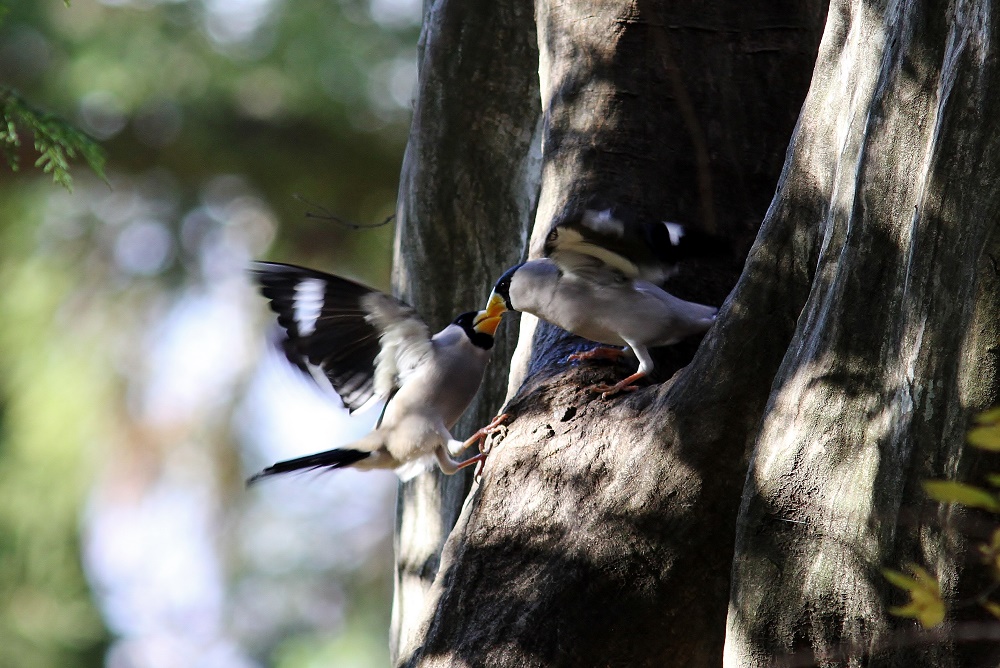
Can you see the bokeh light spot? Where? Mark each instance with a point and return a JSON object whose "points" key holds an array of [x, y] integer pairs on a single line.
{"points": [[102, 115], [144, 247]]}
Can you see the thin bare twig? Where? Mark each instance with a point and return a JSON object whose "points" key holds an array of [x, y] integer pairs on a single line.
{"points": [[326, 214]]}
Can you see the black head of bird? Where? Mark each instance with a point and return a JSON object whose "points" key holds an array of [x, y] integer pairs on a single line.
{"points": [[480, 327], [500, 301]]}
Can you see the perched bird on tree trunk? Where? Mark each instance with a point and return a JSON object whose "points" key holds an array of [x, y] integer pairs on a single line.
{"points": [[598, 280], [365, 344]]}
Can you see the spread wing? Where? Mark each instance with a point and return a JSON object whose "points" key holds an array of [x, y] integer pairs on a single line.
{"points": [[592, 242], [405, 340], [362, 340], [598, 242]]}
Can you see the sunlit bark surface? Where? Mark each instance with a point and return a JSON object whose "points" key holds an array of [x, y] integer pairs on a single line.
{"points": [[891, 184]]}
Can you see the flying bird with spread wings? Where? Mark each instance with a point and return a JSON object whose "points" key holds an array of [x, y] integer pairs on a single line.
{"points": [[364, 344], [598, 279]]}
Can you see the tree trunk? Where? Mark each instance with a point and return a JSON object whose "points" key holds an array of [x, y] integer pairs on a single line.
{"points": [[467, 195], [891, 178], [860, 335]]}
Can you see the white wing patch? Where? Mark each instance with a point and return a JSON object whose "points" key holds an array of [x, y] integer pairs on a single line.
{"points": [[676, 232], [308, 304], [405, 340], [602, 222]]}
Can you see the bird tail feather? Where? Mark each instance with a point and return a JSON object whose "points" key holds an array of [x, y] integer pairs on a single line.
{"points": [[333, 459]]}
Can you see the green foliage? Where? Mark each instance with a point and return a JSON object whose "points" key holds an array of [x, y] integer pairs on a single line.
{"points": [[986, 436], [305, 109], [952, 491], [56, 141], [926, 604], [990, 553]]}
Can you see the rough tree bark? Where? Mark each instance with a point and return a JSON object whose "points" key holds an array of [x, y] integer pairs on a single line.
{"points": [[468, 187], [860, 335], [891, 180]]}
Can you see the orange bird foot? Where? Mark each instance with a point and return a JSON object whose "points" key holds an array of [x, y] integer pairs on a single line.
{"points": [[599, 353], [481, 434], [626, 385]]}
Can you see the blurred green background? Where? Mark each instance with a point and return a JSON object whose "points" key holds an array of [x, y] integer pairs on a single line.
{"points": [[137, 384]]}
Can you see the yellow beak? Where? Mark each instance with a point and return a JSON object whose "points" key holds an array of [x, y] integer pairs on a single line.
{"points": [[496, 306], [487, 321]]}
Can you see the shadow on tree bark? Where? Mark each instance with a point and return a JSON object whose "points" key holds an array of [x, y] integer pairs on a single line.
{"points": [[602, 532], [469, 167], [896, 345]]}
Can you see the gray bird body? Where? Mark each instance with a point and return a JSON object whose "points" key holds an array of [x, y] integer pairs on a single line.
{"points": [[362, 344], [606, 308], [596, 282], [418, 419]]}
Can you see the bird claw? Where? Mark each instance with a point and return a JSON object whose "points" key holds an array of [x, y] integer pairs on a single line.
{"points": [[498, 433], [475, 459], [481, 434], [496, 424], [599, 353], [611, 390], [494, 427], [626, 385]]}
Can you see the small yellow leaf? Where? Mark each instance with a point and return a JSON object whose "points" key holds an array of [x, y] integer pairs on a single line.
{"points": [[925, 603], [985, 438], [993, 479], [992, 416], [991, 552], [929, 613], [922, 575], [994, 544], [901, 580], [951, 491]]}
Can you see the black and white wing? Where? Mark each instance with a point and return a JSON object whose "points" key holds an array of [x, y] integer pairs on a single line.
{"points": [[600, 241], [404, 338], [362, 340]]}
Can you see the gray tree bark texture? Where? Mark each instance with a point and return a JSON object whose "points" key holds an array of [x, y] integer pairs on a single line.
{"points": [[467, 189], [891, 186], [736, 511]]}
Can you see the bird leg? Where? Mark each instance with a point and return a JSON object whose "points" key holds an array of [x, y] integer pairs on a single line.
{"points": [[475, 459], [622, 386], [479, 436], [598, 353], [449, 466]]}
